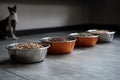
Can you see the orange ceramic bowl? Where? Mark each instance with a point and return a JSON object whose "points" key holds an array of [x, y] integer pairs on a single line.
{"points": [[64, 47], [87, 41]]}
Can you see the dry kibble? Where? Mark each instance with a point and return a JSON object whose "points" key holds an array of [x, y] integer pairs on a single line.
{"points": [[58, 39], [100, 31], [28, 46], [83, 34]]}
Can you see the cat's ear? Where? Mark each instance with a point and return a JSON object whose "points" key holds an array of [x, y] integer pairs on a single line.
{"points": [[15, 7], [10, 10]]}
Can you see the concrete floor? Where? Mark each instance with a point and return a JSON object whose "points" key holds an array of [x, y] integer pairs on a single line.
{"points": [[101, 62]]}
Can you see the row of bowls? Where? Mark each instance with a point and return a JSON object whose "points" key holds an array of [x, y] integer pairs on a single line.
{"points": [[64, 47], [100, 36]]}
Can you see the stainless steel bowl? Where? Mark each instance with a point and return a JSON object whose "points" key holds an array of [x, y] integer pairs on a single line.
{"points": [[76, 34], [27, 55], [104, 37]]}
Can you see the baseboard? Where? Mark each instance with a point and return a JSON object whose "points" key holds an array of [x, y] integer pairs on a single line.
{"points": [[80, 27], [45, 30]]}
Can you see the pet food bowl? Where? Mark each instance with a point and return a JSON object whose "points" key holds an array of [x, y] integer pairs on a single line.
{"points": [[85, 41], [27, 55], [58, 46], [104, 35]]}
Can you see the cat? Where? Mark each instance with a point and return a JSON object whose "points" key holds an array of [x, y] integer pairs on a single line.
{"points": [[8, 25]]}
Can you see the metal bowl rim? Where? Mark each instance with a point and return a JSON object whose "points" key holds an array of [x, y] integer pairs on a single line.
{"points": [[46, 38], [73, 34], [10, 45], [109, 32]]}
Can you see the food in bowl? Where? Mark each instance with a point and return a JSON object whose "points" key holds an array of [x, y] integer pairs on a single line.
{"points": [[27, 52], [60, 45], [83, 34], [99, 31], [85, 39], [104, 35], [28, 46], [58, 39]]}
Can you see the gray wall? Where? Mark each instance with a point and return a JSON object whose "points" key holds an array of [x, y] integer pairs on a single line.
{"points": [[34, 14], [104, 12]]}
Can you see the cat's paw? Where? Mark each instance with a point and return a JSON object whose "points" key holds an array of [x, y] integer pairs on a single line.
{"points": [[15, 38]]}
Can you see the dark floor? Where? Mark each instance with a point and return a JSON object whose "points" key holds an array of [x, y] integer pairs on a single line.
{"points": [[101, 62]]}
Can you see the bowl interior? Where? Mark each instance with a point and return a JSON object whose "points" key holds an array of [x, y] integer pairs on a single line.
{"points": [[77, 35], [95, 31], [58, 39], [12, 46]]}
